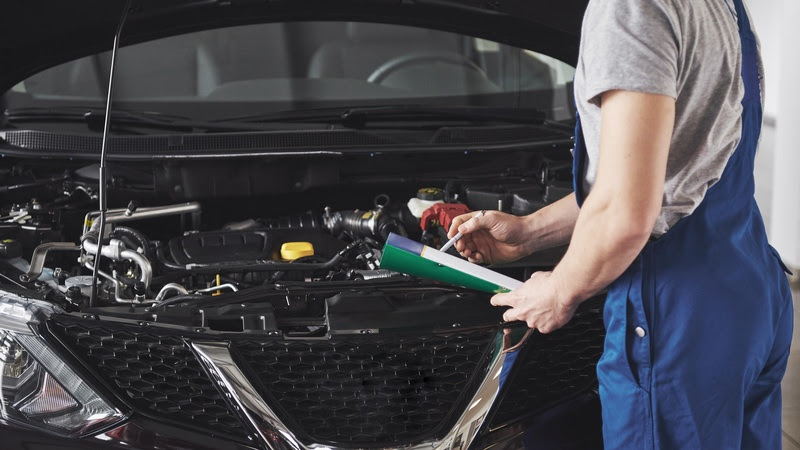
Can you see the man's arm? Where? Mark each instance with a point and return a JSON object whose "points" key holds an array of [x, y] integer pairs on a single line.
{"points": [[553, 225], [499, 237], [616, 219]]}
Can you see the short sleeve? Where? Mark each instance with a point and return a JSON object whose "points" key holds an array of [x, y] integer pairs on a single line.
{"points": [[631, 45]]}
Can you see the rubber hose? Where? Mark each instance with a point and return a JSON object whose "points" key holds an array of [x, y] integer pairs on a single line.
{"points": [[137, 236]]}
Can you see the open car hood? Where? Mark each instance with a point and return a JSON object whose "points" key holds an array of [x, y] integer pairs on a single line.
{"points": [[37, 34]]}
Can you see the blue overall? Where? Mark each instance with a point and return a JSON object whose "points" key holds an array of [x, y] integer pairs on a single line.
{"points": [[699, 326]]}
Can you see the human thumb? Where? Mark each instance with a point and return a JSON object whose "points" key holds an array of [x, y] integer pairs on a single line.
{"points": [[476, 223]]}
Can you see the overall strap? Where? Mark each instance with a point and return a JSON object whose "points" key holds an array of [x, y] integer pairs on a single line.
{"points": [[752, 85], [578, 161]]}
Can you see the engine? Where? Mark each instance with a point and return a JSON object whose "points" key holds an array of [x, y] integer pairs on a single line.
{"points": [[341, 245], [198, 264]]}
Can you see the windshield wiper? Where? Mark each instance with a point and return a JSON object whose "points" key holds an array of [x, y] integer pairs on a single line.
{"points": [[93, 118], [360, 117]]}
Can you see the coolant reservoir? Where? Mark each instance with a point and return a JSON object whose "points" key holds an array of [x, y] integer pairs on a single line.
{"points": [[84, 282], [426, 197]]}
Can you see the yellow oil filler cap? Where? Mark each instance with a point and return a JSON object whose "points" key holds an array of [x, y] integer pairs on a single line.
{"points": [[295, 250]]}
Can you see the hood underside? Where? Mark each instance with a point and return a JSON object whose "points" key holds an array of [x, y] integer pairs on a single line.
{"points": [[37, 34]]}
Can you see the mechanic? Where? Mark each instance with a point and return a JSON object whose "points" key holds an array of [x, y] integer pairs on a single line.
{"points": [[699, 313]]}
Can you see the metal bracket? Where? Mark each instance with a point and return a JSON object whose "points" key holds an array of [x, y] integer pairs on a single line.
{"points": [[40, 254]]}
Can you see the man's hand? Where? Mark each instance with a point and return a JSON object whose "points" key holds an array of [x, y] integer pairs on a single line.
{"points": [[499, 238], [494, 238], [537, 303]]}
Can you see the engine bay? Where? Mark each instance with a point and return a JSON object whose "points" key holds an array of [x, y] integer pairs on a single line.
{"points": [[296, 264]]}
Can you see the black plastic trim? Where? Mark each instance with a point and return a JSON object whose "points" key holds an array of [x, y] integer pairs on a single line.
{"points": [[331, 143]]}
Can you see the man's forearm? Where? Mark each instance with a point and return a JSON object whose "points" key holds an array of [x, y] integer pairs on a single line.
{"points": [[618, 216], [606, 240], [553, 225]]}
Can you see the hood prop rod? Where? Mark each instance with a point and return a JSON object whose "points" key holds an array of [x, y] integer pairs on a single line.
{"points": [[103, 195]]}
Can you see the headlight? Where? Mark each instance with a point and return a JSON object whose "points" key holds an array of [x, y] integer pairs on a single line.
{"points": [[37, 389]]}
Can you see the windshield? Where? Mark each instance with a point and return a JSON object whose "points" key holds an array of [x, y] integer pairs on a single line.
{"points": [[265, 68]]}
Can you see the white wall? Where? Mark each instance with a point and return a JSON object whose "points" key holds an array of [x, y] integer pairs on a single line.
{"points": [[778, 162], [785, 220], [765, 15]]}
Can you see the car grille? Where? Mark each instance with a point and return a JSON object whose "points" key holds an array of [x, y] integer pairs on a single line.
{"points": [[357, 391], [554, 367], [158, 374], [375, 391]]}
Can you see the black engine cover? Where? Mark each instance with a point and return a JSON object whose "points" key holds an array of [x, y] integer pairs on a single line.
{"points": [[219, 247]]}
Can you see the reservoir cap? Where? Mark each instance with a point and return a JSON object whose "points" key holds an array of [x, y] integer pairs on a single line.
{"points": [[430, 194], [295, 250]]}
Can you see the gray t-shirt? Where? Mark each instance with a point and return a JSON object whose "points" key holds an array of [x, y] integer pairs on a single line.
{"points": [[687, 49]]}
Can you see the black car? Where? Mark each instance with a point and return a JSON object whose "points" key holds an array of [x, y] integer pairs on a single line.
{"points": [[259, 153]]}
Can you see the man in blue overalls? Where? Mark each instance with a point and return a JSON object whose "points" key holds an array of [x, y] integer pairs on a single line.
{"points": [[699, 311]]}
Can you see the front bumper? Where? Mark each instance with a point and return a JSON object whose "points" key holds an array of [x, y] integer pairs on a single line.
{"points": [[453, 390], [573, 425], [138, 433]]}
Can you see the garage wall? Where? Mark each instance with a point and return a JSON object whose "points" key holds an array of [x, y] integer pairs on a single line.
{"points": [[778, 162], [786, 181], [765, 15]]}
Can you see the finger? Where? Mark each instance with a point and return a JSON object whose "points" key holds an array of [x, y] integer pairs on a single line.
{"points": [[510, 315], [471, 246], [502, 300], [470, 226], [464, 243], [476, 258], [457, 223]]}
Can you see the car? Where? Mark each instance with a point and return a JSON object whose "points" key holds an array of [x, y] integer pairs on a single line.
{"points": [[193, 260]]}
